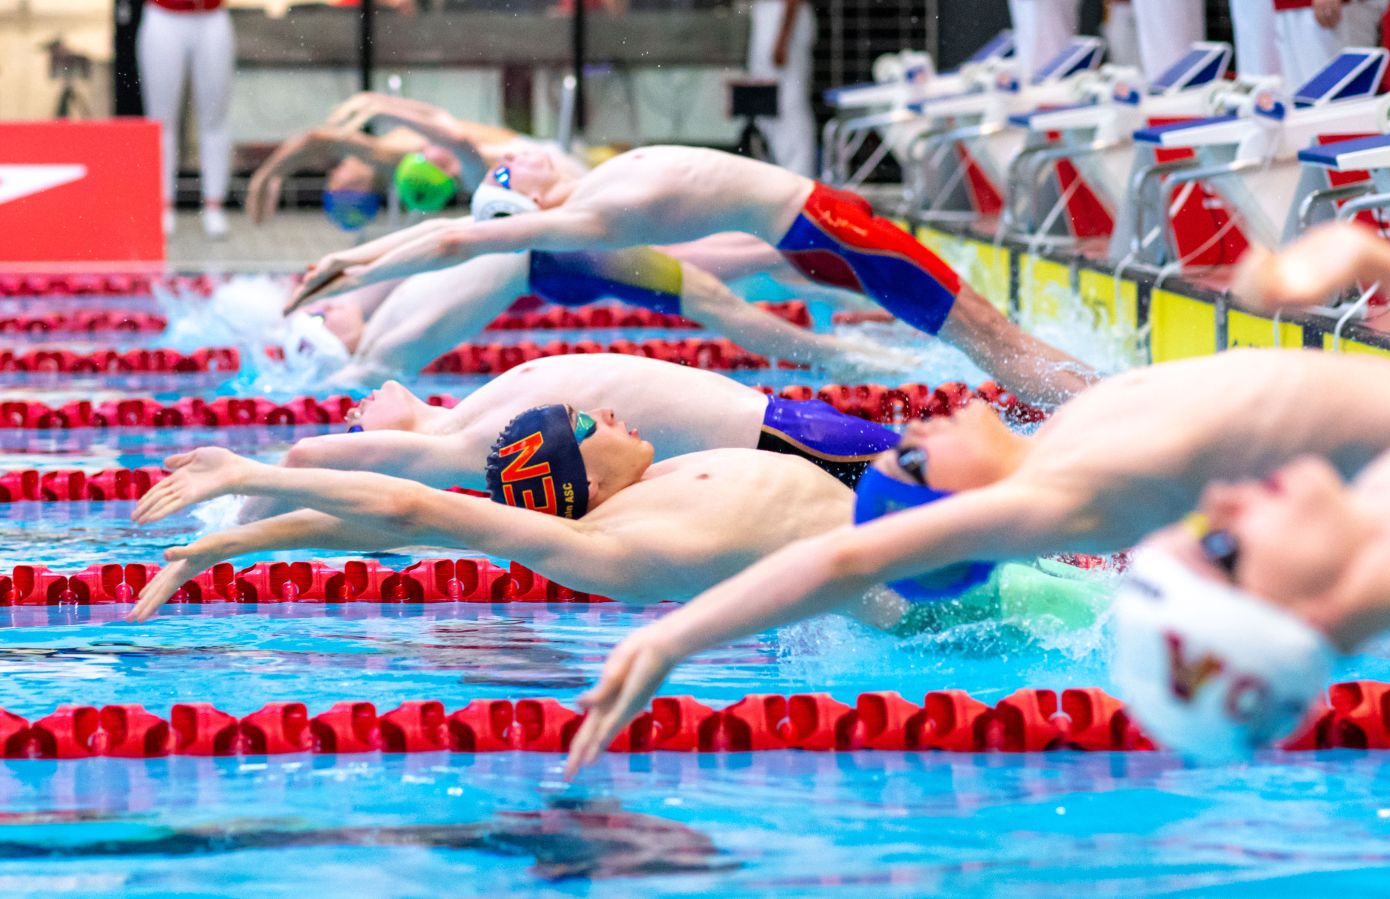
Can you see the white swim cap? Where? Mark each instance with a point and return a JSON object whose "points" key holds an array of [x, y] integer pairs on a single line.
{"points": [[493, 200], [307, 338], [1209, 670]]}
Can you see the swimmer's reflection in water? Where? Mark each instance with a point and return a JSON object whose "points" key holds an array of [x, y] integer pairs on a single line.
{"points": [[569, 839], [500, 652]]}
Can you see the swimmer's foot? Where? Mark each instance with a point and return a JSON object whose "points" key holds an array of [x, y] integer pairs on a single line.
{"points": [[215, 223]]}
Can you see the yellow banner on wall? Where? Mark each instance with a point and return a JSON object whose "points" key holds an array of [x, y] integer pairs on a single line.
{"points": [[1043, 287], [1352, 346], [1109, 310], [1182, 327], [1244, 329]]}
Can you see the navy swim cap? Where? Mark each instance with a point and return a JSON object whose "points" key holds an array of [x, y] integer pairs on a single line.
{"points": [[535, 464], [878, 495], [351, 210]]}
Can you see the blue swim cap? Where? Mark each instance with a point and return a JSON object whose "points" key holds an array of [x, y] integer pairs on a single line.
{"points": [[351, 210], [878, 495], [535, 464]]}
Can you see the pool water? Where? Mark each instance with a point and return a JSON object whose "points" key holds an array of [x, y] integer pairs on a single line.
{"points": [[771, 823]]}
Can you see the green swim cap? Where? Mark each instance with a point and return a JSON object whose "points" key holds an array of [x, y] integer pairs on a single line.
{"points": [[422, 185]]}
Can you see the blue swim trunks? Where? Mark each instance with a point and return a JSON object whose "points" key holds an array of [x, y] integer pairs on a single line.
{"points": [[636, 276], [841, 444]]}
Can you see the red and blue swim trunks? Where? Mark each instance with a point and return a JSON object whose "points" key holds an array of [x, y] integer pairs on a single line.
{"points": [[837, 240]]}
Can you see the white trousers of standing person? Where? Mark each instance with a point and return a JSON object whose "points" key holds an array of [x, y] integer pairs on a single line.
{"points": [[1042, 29], [1121, 38], [1305, 46], [791, 135], [1257, 51], [197, 47], [1167, 29]]}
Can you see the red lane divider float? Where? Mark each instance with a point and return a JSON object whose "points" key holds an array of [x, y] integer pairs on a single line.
{"points": [[111, 362], [93, 321], [359, 580], [875, 402], [556, 318], [108, 285], [84, 321], [1029, 720]]}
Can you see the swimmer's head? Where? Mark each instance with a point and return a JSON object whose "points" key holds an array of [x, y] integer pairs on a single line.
{"points": [[530, 171], [392, 407], [351, 174], [879, 494], [1298, 531], [562, 461], [307, 340], [351, 210], [969, 449], [1209, 669], [615, 455], [426, 181], [492, 201], [343, 319]]}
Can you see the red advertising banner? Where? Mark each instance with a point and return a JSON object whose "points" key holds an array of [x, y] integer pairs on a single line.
{"points": [[80, 192]]}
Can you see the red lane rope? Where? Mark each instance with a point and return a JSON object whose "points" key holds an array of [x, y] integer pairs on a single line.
{"points": [[358, 580], [554, 318], [113, 362], [1029, 720], [874, 402], [94, 321], [84, 321], [110, 285]]}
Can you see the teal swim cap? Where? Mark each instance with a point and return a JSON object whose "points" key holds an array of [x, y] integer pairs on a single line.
{"points": [[422, 185]]}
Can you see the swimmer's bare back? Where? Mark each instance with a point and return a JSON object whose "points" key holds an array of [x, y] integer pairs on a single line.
{"points": [[672, 194]]}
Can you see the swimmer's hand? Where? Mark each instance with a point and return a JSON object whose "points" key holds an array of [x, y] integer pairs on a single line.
{"points": [[631, 676], [324, 278], [185, 563], [198, 476], [330, 274], [1312, 269]]}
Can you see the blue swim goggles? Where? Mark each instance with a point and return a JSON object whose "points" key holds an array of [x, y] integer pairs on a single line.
{"points": [[879, 494], [584, 425], [503, 176]]}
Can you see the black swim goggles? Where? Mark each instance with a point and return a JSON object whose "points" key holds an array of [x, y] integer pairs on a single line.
{"points": [[913, 461], [1218, 545]]}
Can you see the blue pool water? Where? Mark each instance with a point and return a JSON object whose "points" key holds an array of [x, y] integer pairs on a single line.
{"points": [[782, 824]]}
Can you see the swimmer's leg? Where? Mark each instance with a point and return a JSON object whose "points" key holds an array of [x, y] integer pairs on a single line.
{"points": [[706, 300], [1034, 370], [733, 256]]}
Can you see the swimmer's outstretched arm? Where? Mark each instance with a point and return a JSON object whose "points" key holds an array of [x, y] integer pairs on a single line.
{"points": [[1007, 520], [331, 267], [1309, 271], [321, 147], [434, 125], [364, 511], [555, 230], [433, 460]]}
